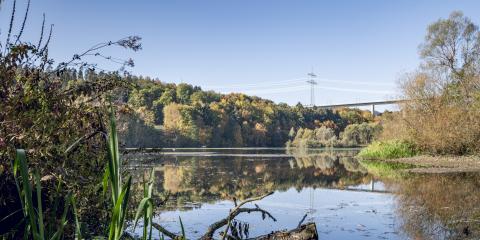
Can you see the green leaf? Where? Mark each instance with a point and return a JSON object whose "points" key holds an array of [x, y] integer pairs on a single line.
{"points": [[142, 207], [105, 182], [41, 226], [63, 222], [20, 164], [183, 229], [78, 232], [119, 211]]}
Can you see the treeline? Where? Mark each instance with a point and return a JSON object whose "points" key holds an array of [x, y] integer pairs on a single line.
{"points": [[181, 115]]}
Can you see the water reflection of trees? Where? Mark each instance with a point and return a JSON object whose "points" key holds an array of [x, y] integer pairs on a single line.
{"points": [[440, 206], [204, 179]]}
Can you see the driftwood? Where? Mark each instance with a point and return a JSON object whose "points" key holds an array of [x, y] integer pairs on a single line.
{"points": [[306, 231], [302, 232]]}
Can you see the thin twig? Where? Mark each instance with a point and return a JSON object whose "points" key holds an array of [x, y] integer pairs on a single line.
{"points": [[23, 23], [12, 18], [41, 33]]}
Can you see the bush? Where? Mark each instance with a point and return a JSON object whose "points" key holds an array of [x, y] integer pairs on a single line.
{"points": [[388, 150], [359, 134], [318, 137]]}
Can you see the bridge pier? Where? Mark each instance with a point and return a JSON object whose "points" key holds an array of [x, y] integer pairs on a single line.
{"points": [[373, 110]]}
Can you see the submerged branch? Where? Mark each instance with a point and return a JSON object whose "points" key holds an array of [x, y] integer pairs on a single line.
{"points": [[165, 231], [235, 212]]}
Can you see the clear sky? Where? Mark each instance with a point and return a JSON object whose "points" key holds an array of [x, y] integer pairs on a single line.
{"points": [[358, 49]]}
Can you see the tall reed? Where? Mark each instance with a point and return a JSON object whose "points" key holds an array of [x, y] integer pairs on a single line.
{"points": [[113, 176], [146, 207], [34, 215], [120, 195]]}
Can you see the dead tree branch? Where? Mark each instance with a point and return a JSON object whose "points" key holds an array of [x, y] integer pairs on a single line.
{"points": [[235, 212], [165, 231]]}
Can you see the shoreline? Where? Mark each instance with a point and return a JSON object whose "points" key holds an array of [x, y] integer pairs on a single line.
{"points": [[439, 164]]}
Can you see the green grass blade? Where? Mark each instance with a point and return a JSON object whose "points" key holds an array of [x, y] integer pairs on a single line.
{"points": [[41, 226], [106, 176], [26, 190], [119, 212], [114, 161], [183, 229], [123, 214], [78, 231], [63, 222], [142, 207], [55, 206]]}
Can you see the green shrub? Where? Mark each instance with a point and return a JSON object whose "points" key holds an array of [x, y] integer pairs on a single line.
{"points": [[388, 150]]}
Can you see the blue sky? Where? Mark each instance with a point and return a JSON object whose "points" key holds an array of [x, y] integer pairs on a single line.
{"points": [[358, 49]]}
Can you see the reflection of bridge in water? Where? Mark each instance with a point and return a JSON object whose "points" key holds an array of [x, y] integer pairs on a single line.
{"points": [[370, 190]]}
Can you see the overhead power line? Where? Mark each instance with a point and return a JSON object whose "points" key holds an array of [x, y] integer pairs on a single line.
{"points": [[293, 81]]}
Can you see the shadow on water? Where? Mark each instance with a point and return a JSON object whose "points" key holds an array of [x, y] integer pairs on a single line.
{"points": [[330, 185]]}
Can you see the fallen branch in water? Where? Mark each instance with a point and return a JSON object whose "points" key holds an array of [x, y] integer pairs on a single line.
{"points": [[235, 212], [165, 231], [307, 231]]}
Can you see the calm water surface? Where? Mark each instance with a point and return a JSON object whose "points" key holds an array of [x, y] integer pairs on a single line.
{"points": [[330, 186]]}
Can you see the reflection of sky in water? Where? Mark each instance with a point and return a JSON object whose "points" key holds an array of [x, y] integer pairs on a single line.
{"points": [[331, 182], [338, 214]]}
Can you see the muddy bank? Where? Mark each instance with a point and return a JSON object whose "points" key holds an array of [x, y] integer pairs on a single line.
{"points": [[441, 164]]}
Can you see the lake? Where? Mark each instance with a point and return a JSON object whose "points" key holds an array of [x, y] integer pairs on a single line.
{"points": [[335, 190]]}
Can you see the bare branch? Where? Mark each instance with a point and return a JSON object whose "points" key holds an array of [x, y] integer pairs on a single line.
{"points": [[165, 231], [301, 221], [131, 42], [235, 212], [23, 23], [41, 33], [11, 22]]}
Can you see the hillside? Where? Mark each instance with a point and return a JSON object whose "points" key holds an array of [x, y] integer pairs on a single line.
{"points": [[182, 115]]}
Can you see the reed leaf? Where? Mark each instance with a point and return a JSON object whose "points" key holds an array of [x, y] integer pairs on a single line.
{"points": [[41, 226], [25, 192], [182, 227], [78, 231]]}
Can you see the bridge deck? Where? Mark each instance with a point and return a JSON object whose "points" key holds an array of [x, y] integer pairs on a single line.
{"points": [[362, 104]]}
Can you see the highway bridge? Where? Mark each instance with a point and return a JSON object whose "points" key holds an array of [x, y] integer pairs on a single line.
{"points": [[362, 104]]}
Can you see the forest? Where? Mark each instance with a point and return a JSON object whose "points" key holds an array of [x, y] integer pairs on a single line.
{"points": [[182, 115]]}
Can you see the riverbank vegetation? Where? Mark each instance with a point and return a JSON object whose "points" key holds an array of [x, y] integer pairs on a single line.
{"points": [[353, 135], [59, 122], [442, 112], [387, 150]]}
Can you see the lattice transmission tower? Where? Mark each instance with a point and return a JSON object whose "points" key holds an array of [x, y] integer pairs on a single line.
{"points": [[312, 83]]}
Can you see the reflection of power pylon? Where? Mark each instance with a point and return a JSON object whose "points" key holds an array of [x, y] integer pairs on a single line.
{"points": [[312, 201]]}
